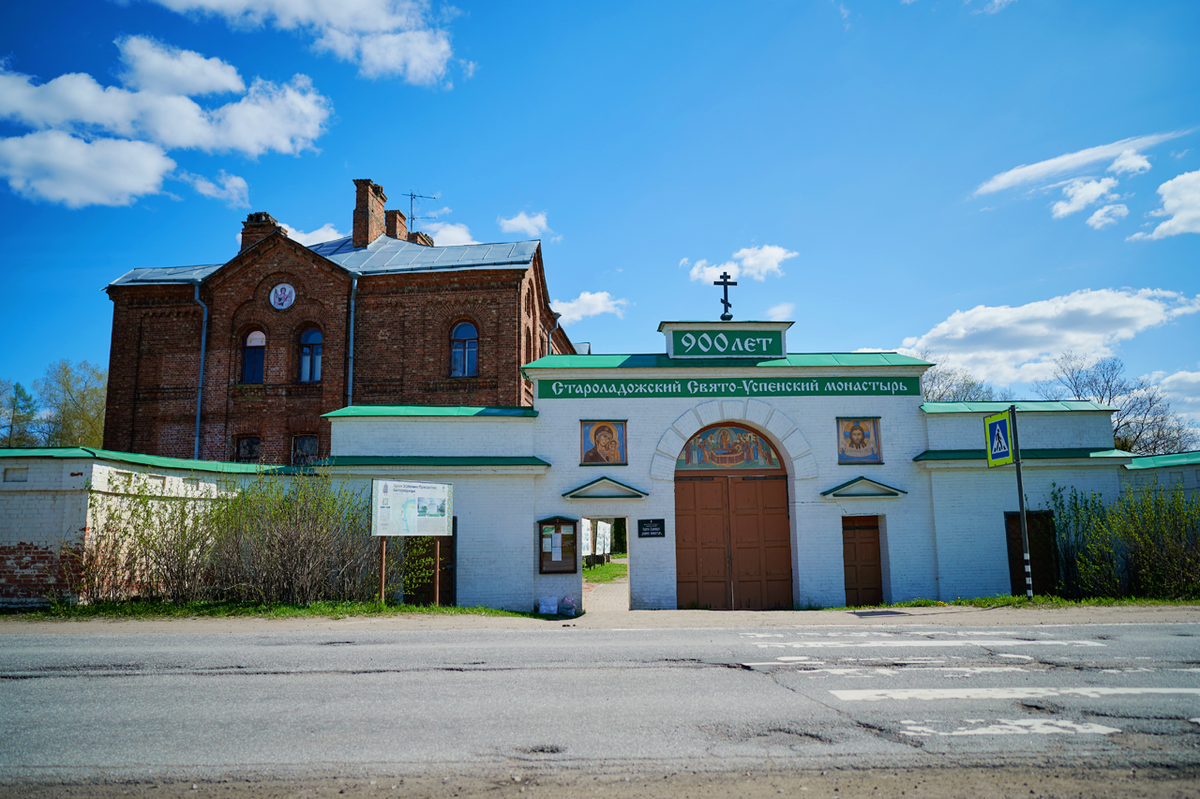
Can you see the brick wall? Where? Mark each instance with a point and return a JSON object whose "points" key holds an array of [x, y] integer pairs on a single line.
{"points": [[402, 349]]}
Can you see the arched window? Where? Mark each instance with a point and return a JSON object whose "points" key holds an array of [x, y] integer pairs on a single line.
{"points": [[310, 356], [464, 351], [254, 351]]}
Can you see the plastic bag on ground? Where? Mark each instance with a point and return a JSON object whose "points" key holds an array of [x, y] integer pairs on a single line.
{"points": [[548, 605]]}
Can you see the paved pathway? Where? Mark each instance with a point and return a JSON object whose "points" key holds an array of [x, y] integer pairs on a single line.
{"points": [[607, 597]]}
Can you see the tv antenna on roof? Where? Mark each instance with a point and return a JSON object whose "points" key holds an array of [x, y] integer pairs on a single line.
{"points": [[412, 198]]}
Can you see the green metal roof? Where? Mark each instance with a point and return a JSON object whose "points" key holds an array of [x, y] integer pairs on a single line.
{"points": [[631, 492], [662, 361], [1031, 406], [1159, 461], [432, 410], [432, 460], [140, 460], [1026, 454]]}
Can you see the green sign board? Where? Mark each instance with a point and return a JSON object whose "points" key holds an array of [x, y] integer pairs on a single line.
{"points": [[726, 343], [699, 388]]}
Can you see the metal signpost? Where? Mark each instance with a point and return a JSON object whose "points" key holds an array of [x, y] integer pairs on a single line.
{"points": [[408, 509], [1002, 449]]}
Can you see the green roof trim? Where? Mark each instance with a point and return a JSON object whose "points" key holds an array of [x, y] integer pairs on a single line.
{"points": [[1029, 406], [888, 491], [161, 462], [630, 491], [431, 460], [1026, 454], [353, 411], [1159, 461], [831, 360]]}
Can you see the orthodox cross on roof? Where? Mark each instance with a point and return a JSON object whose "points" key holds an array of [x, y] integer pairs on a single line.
{"points": [[724, 281]]}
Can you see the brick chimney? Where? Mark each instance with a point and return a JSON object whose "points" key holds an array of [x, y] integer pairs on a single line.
{"points": [[368, 212], [420, 237], [257, 227], [397, 225]]}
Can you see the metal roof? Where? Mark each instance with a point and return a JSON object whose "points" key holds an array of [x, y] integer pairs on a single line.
{"points": [[663, 361], [382, 256], [432, 410], [166, 274], [385, 255], [1026, 454], [1029, 406], [1159, 461]]}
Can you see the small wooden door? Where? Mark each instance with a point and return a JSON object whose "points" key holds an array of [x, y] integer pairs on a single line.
{"points": [[860, 549], [1043, 552]]}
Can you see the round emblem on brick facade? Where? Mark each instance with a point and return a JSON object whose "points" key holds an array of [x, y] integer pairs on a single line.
{"points": [[282, 297]]}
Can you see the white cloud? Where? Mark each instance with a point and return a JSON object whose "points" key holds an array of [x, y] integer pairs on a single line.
{"points": [[753, 262], [758, 262], [703, 271], [531, 226], [1082, 193], [384, 37], [995, 6], [1003, 344], [450, 234], [1181, 201], [1071, 162], [781, 312], [1108, 215], [588, 304], [269, 117], [1183, 389], [326, 232], [161, 69], [233, 190], [1130, 161], [55, 166]]}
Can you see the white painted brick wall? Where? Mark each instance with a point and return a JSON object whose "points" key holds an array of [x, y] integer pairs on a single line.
{"points": [[1036, 430], [969, 507]]}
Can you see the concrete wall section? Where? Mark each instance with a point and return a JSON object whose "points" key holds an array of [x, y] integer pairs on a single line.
{"points": [[1036, 430]]}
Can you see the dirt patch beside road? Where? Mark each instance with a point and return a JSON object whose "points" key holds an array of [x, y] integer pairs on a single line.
{"points": [[930, 783]]}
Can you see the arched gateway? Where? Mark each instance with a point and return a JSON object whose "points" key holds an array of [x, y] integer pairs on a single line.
{"points": [[732, 534]]}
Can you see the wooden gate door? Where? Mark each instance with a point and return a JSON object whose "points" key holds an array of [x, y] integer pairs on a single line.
{"points": [[732, 542], [860, 549], [701, 542], [761, 542]]}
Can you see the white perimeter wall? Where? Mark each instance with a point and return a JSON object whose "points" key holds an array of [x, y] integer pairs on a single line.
{"points": [[803, 430]]}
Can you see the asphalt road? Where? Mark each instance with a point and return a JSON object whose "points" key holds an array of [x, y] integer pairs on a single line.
{"points": [[304, 704]]}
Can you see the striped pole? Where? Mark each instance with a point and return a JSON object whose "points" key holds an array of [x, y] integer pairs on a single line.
{"points": [[1016, 450]]}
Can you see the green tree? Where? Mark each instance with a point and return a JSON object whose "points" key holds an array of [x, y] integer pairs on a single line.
{"points": [[73, 397], [19, 420]]}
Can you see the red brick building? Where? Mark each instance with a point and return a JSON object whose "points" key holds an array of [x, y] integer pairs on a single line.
{"points": [[287, 333]]}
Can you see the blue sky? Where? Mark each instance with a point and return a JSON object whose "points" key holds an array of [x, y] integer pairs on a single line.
{"points": [[994, 181]]}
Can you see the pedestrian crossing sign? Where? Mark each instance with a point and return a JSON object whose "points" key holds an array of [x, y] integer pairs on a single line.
{"points": [[999, 439]]}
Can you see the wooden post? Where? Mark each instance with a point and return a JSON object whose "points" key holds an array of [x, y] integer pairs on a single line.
{"points": [[437, 571], [382, 568]]}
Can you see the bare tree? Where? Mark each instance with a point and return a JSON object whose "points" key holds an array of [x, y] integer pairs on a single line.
{"points": [[944, 383], [1143, 421]]}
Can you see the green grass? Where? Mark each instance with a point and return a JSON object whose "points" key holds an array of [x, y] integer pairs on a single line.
{"points": [[606, 573], [208, 610], [1005, 600]]}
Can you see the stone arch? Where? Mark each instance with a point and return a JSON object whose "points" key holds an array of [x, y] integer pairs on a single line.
{"points": [[785, 436]]}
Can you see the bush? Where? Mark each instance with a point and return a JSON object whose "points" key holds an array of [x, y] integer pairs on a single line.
{"points": [[1146, 544], [280, 539]]}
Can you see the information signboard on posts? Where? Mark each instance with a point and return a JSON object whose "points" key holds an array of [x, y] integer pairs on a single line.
{"points": [[999, 439], [400, 508]]}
